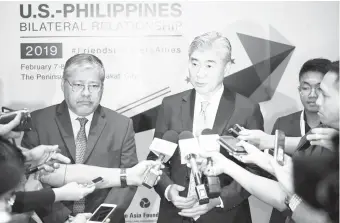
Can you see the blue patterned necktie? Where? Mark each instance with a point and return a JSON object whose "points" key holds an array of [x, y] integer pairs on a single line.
{"points": [[81, 142]]}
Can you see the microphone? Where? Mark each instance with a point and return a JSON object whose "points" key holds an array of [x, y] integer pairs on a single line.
{"points": [[164, 148], [208, 142], [188, 144]]}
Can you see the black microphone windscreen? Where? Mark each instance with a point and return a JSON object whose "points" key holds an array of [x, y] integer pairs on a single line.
{"points": [[186, 135], [209, 132], [171, 136]]}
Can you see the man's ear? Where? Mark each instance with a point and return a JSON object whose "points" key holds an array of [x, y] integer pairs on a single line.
{"points": [[227, 68]]}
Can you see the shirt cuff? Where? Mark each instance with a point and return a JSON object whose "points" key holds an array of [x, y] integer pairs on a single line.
{"points": [[221, 205], [166, 192]]}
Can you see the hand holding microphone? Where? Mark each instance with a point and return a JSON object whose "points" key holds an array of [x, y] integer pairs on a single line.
{"points": [[188, 144], [208, 142], [6, 130], [164, 148], [45, 157], [141, 172]]}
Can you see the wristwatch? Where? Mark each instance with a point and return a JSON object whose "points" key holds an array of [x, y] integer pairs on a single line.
{"points": [[293, 202], [123, 177]]}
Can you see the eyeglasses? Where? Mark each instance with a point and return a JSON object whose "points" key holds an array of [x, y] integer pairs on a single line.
{"points": [[307, 90], [80, 87]]}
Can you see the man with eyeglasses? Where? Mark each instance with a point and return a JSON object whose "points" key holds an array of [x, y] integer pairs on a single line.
{"points": [[297, 124], [87, 133]]}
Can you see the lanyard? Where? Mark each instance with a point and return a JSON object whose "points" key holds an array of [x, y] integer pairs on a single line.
{"points": [[302, 123]]}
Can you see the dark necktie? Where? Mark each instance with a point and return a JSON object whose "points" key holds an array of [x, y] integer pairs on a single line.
{"points": [[81, 142]]}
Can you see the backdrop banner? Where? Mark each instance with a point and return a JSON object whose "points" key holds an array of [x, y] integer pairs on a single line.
{"points": [[144, 48]]}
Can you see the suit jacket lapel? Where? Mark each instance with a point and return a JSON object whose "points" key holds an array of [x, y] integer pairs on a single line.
{"points": [[65, 127], [225, 110], [296, 123], [97, 125], [304, 143], [187, 120], [187, 110]]}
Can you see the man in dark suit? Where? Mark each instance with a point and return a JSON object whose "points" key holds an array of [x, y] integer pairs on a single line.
{"points": [[87, 133], [299, 123], [209, 62]]}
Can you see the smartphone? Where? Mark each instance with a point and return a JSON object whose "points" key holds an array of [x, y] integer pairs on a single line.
{"points": [[102, 213], [279, 148], [229, 143], [95, 181]]}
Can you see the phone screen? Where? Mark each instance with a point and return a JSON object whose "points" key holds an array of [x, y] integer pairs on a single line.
{"points": [[98, 179], [101, 213], [229, 143]]}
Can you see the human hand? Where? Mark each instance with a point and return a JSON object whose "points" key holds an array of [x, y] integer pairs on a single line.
{"points": [[72, 191], [6, 129], [179, 201]]}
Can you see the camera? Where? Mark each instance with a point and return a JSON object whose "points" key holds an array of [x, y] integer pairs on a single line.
{"points": [[7, 115]]}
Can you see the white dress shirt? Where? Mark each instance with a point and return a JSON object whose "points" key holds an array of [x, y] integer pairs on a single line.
{"points": [[210, 113], [76, 124]]}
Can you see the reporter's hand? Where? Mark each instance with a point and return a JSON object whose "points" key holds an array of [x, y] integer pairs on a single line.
{"points": [[80, 218], [258, 138], [254, 155], [40, 154], [72, 192], [323, 137], [6, 130], [32, 183], [179, 201], [83, 217], [284, 174], [219, 163], [136, 174]]}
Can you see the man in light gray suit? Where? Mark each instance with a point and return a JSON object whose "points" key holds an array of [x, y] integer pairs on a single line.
{"points": [[87, 133]]}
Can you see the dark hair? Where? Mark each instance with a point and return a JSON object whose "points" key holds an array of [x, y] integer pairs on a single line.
{"points": [[11, 165], [10, 152], [334, 68], [318, 65]]}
